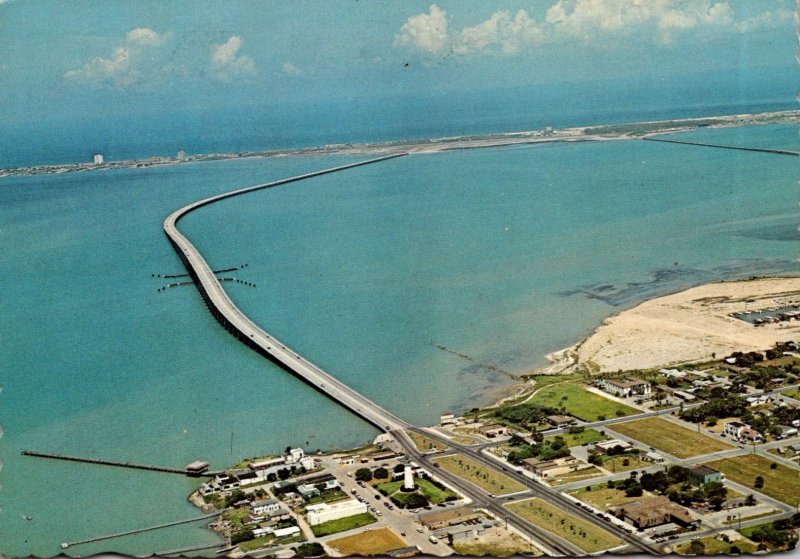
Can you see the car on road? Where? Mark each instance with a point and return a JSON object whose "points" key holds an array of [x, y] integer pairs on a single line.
{"points": [[420, 530], [378, 497], [433, 539], [402, 534]]}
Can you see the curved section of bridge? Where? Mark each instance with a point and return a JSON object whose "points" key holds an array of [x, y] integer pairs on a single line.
{"points": [[249, 333]]}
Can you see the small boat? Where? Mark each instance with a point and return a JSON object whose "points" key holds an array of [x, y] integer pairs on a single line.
{"points": [[28, 517]]}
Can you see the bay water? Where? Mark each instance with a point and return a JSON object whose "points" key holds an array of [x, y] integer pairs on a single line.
{"points": [[500, 254]]}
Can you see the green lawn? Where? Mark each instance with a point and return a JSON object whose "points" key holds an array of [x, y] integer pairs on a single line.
{"points": [[616, 464], [424, 444], [794, 393], [782, 483], [588, 537], [487, 479], [577, 475], [577, 439], [328, 496], [424, 486], [580, 403], [714, 546], [343, 524], [669, 437], [602, 497]]}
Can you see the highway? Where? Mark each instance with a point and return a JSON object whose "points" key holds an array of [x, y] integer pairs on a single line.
{"points": [[249, 333]]}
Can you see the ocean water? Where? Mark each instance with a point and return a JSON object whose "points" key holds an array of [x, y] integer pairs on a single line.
{"points": [[501, 254]]}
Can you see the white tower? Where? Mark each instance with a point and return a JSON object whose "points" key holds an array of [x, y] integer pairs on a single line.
{"points": [[98, 159], [408, 479]]}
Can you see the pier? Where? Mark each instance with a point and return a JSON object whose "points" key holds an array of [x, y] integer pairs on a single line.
{"points": [[721, 146], [249, 333], [65, 545], [118, 464]]}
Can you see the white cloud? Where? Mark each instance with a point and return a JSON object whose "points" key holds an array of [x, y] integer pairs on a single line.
{"points": [[227, 63], [127, 65], [501, 31], [291, 69], [144, 36], [764, 20], [426, 32]]}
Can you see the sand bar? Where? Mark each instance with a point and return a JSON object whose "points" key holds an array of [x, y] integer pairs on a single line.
{"points": [[692, 325]]}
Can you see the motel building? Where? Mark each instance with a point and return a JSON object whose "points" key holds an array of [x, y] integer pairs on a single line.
{"points": [[625, 387]]}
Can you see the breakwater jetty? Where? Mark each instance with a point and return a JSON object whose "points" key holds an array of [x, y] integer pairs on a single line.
{"points": [[65, 545], [249, 333], [722, 146], [116, 463]]}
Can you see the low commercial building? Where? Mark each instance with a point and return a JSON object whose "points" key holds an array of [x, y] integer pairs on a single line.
{"points": [[560, 420], [625, 387], [605, 446], [704, 474], [654, 511], [558, 466], [493, 430], [437, 520], [325, 512], [288, 532], [267, 506], [447, 418]]}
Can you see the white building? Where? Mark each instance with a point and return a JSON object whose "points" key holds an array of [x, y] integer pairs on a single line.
{"points": [[408, 478], [447, 418], [267, 506], [605, 446], [289, 532], [626, 387], [98, 159], [294, 456], [325, 512]]}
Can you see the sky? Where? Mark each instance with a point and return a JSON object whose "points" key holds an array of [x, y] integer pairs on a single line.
{"points": [[112, 58]]}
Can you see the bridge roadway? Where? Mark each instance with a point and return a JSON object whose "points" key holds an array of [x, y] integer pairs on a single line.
{"points": [[244, 329], [249, 333]]}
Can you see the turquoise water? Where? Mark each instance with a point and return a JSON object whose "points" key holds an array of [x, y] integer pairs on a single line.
{"points": [[501, 254]]}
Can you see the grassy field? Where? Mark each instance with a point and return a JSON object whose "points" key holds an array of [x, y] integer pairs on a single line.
{"points": [[266, 541], [577, 475], [425, 487], [669, 437], [580, 403], [424, 444], [373, 542], [782, 483], [602, 497], [491, 481], [496, 543], [714, 546], [577, 439], [343, 524], [617, 463], [584, 535], [794, 393]]}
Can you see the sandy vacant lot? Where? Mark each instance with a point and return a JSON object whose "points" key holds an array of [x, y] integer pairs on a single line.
{"points": [[688, 326]]}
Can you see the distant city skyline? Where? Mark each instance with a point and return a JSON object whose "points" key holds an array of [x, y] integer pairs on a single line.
{"points": [[107, 60]]}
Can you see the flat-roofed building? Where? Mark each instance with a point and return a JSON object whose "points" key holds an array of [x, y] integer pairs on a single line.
{"points": [[325, 512], [654, 511], [625, 387]]}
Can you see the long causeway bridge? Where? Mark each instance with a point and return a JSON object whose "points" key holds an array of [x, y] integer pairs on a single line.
{"points": [[249, 333]]}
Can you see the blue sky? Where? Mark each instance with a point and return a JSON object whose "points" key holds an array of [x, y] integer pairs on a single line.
{"points": [[111, 58]]}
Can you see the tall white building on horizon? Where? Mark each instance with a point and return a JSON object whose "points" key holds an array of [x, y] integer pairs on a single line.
{"points": [[98, 159]]}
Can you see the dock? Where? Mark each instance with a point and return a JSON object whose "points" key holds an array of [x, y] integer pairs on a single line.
{"points": [[101, 462], [65, 545]]}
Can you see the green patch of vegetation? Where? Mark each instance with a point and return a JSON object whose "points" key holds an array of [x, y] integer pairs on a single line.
{"points": [[432, 492], [343, 524], [576, 400], [780, 483], [715, 546], [327, 496], [257, 543], [670, 437], [577, 436], [623, 462], [488, 479], [424, 444], [794, 393], [602, 497], [772, 536], [588, 537]]}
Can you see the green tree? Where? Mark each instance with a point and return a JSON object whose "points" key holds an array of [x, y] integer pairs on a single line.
{"points": [[364, 474], [241, 536], [416, 501], [697, 547], [381, 473], [310, 550], [759, 482]]}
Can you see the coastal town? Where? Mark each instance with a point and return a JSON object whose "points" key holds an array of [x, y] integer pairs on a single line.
{"points": [[701, 458]]}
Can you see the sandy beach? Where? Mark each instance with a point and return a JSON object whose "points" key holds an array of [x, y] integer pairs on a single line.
{"points": [[692, 325]]}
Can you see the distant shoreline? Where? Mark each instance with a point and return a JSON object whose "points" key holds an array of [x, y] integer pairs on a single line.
{"points": [[603, 132]]}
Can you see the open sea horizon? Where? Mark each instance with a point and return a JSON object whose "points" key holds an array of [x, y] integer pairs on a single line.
{"points": [[503, 254]]}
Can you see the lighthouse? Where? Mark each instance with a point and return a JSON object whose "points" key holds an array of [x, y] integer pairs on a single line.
{"points": [[408, 479]]}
